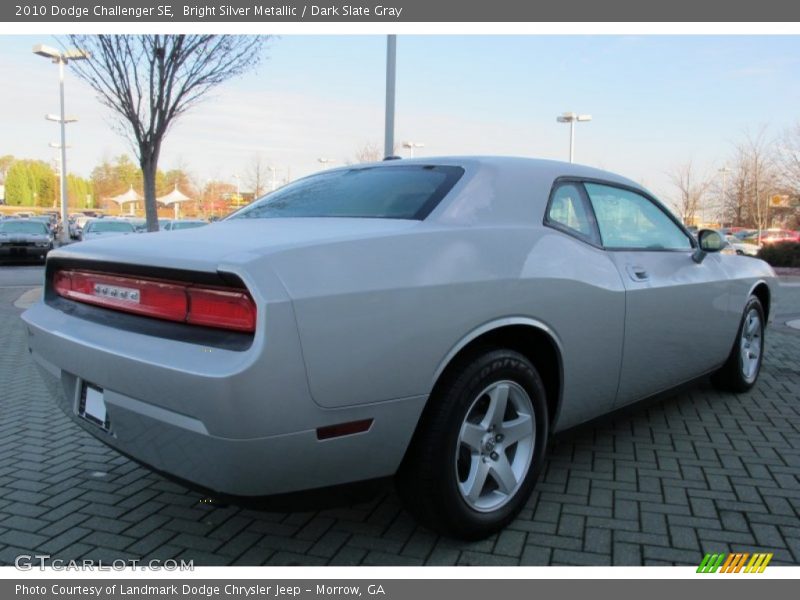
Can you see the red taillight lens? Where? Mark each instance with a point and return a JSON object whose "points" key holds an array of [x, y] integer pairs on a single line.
{"points": [[175, 301], [221, 308], [140, 296]]}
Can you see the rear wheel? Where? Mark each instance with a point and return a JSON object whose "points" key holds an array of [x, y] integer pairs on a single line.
{"points": [[740, 372], [479, 447]]}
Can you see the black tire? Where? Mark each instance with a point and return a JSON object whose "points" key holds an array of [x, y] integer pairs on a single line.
{"points": [[428, 481], [731, 376]]}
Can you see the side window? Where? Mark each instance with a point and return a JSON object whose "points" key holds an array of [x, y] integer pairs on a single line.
{"points": [[629, 220], [567, 210]]}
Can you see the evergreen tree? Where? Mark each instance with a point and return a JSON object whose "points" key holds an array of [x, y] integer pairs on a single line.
{"points": [[18, 190]]}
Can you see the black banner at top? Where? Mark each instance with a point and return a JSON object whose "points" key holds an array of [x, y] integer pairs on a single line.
{"points": [[394, 11]]}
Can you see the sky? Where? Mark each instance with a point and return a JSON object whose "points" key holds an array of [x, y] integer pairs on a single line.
{"points": [[656, 101]]}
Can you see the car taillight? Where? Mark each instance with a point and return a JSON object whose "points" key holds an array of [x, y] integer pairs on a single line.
{"points": [[221, 308], [174, 301]]}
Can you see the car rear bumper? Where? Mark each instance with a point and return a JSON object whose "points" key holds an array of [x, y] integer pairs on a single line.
{"points": [[264, 447]]}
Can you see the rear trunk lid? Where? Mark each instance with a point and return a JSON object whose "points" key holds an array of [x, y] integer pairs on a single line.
{"points": [[235, 241]]}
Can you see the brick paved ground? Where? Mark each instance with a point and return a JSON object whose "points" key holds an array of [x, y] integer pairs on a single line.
{"points": [[700, 472]]}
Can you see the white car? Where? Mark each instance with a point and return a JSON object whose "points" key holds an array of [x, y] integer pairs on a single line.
{"points": [[177, 224], [103, 228], [742, 248]]}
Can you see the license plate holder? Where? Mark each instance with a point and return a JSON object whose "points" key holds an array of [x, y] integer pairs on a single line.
{"points": [[92, 406]]}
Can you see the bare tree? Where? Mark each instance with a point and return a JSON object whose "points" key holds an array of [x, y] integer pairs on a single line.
{"points": [[148, 81], [691, 190], [256, 176], [754, 180], [369, 152], [790, 160]]}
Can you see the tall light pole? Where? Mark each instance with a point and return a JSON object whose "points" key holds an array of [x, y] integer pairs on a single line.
{"points": [[61, 59], [391, 67], [412, 145], [57, 160], [325, 161], [572, 118]]}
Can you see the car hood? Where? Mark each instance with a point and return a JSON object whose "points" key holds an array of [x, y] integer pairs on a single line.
{"points": [[230, 241]]}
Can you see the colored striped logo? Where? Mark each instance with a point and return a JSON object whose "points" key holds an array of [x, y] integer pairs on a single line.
{"points": [[735, 563]]}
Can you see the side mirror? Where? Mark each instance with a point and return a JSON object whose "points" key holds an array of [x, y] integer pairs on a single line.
{"points": [[709, 240]]}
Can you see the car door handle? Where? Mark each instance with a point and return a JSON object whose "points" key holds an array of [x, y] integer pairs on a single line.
{"points": [[638, 273]]}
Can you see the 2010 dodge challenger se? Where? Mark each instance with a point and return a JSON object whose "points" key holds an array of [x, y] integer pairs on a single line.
{"points": [[432, 319]]}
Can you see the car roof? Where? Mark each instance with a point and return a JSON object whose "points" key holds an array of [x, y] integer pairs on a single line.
{"points": [[109, 220], [499, 189], [536, 166]]}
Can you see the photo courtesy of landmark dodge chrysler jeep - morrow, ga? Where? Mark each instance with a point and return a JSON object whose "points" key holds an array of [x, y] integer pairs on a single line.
{"points": [[434, 319]]}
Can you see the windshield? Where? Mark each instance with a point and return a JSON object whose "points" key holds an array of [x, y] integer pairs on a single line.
{"points": [[23, 227], [103, 226], [397, 192]]}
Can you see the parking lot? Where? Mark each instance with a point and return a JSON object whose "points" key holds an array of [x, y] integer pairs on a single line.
{"points": [[664, 483]]}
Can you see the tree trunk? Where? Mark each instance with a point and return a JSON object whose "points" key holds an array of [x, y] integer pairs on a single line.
{"points": [[149, 164]]}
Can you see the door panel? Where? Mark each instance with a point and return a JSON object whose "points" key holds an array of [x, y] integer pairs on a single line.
{"points": [[676, 310], [676, 320]]}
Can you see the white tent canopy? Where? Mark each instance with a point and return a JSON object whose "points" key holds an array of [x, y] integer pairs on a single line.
{"points": [[174, 198], [130, 197]]}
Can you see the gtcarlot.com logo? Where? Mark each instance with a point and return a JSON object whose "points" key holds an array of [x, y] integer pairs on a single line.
{"points": [[741, 562], [27, 562]]}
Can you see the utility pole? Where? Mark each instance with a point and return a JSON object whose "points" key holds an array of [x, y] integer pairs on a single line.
{"points": [[391, 64], [61, 59]]}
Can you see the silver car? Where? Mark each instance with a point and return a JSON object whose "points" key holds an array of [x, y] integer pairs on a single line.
{"points": [[432, 319], [178, 224], [24, 239], [105, 228]]}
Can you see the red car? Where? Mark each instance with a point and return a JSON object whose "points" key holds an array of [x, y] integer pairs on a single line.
{"points": [[780, 235]]}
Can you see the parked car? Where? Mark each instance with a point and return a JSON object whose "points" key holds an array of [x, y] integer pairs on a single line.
{"points": [[49, 222], [177, 224], [24, 239], [432, 319], [774, 236], [77, 225], [97, 228], [741, 247], [139, 224]]}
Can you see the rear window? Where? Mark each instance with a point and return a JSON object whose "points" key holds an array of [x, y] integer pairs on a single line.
{"points": [[397, 192], [101, 226]]}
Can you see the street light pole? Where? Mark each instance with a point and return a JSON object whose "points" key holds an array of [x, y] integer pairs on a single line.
{"points": [[572, 118], [325, 161], [61, 58], [64, 208], [572, 141], [391, 62]]}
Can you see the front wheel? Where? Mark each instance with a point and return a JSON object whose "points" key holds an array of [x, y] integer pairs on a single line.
{"points": [[479, 446], [740, 372]]}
